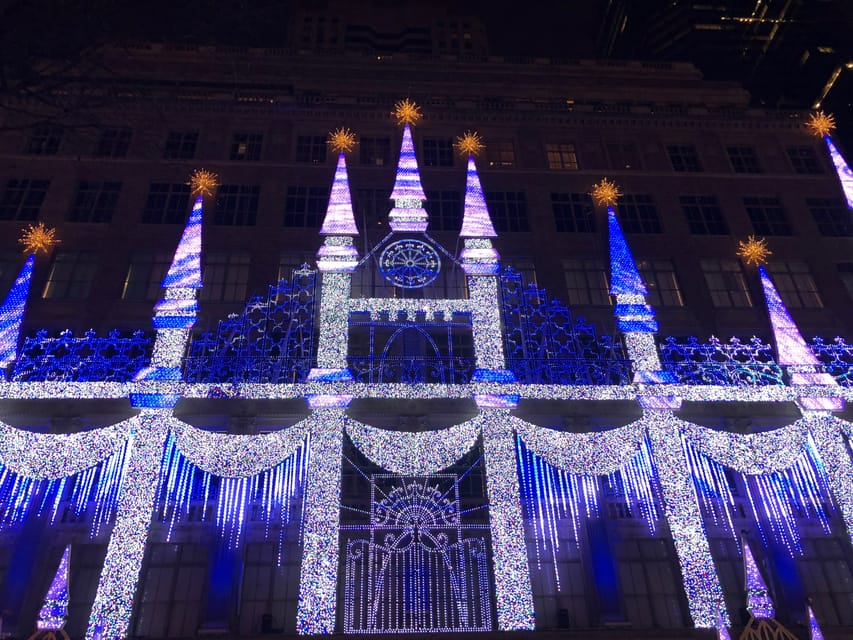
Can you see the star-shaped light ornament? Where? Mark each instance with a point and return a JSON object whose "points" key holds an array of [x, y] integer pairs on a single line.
{"points": [[341, 140], [469, 144], [821, 124], [754, 251], [407, 112], [605, 193], [38, 239], [203, 182]]}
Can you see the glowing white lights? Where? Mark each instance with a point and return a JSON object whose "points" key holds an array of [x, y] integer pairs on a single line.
{"points": [[476, 222], [339, 220], [408, 195], [758, 601], [54, 609]]}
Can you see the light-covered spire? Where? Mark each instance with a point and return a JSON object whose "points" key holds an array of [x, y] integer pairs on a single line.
{"points": [[624, 276], [815, 632], [12, 313], [54, 609], [476, 222], [845, 175], [340, 220], [408, 195], [758, 600], [185, 270]]}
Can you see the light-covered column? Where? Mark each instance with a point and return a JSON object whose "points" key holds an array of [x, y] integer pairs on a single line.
{"points": [[319, 575], [513, 590], [334, 327], [111, 611], [834, 454], [699, 575]]}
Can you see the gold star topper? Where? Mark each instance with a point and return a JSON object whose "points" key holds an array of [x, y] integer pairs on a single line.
{"points": [[469, 144], [38, 238], [407, 112], [203, 182], [754, 251], [605, 193], [341, 140], [821, 124]]}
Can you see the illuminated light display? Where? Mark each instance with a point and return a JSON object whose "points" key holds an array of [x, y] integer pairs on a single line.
{"points": [[203, 182], [828, 433], [185, 270], [842, 169], [605, 193], [408, 195], [341, 140], [38, 238], [12, 313], [407, 112], [469, 144], [758, 600], [339, 218], [754, 251], [54, 609], [476, 221], [815, 632], [625, 278]]}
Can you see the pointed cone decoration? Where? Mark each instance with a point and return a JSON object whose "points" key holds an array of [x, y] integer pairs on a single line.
{"points": [[185, 271], [476, 222], [624, 277], [12, 313], [792, 349], [339, 220], [54, 610], [814, 628], [407, 186], [845, 175], [758, 601], [722, 630]]}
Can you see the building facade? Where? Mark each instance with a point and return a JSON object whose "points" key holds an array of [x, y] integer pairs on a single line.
{"points": [[404, 436]]}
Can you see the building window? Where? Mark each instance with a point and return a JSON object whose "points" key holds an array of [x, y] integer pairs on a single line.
{"points": [[71, 275], [804, 160], [659, 276], [305, 206], [370, 206], [145, 274], [290, 262], [501, 154], [94, 201], [438, 152], [181, 145], [586, 282], [832, 217], [684, 158], [45, 140], [561, 155], [22, 199], [509, 210], [167, 203], [703, 215], [225, 277], [844, 268], [638, 214], [573, 212], [311, 149], [743, 159], [375, 151], [726, 283], [795, 284], [623, 155], [10, 264], [767, 216], [246, 147], [114, 142], [445, 210], [236, 205]]}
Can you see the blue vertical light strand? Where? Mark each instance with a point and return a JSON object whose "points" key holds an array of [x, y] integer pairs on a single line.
{"points": [[845, 174], [185, 270], [54, 609], [12, 313], [185, 489]]}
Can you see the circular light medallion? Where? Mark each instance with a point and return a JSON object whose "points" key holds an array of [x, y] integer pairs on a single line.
{"points": [[410, 264]]}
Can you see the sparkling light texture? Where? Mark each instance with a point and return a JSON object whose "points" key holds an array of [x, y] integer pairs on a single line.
{"points": [[12, 314], [842, 169], [414, 453], [407, 112], [699, 576], [821, 124], [828, 433], [339, 218], [486, 323], [513, 590], [185, 270], [605, 193], [754, 251], [469, 144], [111, 611], [54, 609], [341, 140], [409, 307], [626, 277], [334, 321], [408, 195], [476, 222], [815, 632], [318, 579], [38, 239], [203, 182], [758, 600]]}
